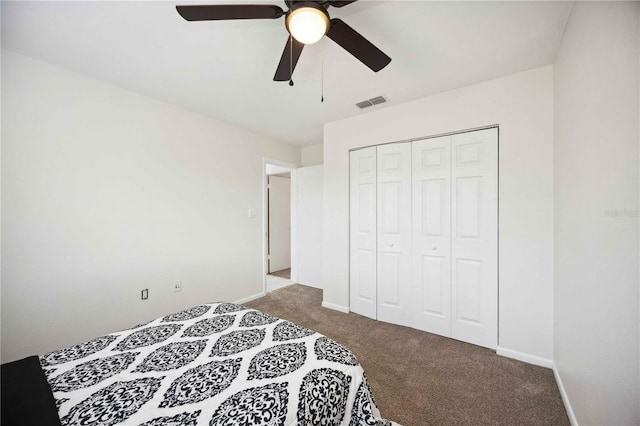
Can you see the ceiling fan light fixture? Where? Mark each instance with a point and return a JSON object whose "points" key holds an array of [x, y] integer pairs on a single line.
{"points": [[308, 22]]}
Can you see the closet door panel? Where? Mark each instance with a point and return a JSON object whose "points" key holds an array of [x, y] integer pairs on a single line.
{"points": [[394, 233], [363, 225], [431, 275], [390, 280], [474, 226]]}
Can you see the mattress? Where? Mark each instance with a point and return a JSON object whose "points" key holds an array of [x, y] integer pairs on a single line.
{"points": [[213, 364]]}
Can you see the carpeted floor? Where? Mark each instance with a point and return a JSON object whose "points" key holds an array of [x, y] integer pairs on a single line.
{"points": [[284, 273], [419, 378]]}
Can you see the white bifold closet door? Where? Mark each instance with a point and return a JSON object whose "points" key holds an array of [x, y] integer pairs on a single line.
{"points": [[363, 234], [455, 236], [474, 237], [435, 202], [394, 233], [431, 218]]}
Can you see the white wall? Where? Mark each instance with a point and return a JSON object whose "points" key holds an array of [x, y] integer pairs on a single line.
{"points": [[596, 213], [522, 105], [311, 155], [106, 192]]}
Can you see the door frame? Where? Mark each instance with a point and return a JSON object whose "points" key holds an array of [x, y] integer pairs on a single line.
{"points": [[265, 213]]}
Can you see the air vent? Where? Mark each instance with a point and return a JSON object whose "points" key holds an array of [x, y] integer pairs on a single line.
{"points": [[371, 102]]}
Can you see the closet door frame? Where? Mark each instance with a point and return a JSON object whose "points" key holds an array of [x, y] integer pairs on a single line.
{"points": [[485, 330]]}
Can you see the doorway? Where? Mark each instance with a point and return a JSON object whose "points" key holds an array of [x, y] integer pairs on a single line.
{"points": [[278, 225]]}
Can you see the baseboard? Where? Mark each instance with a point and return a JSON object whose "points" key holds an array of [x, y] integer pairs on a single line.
{"points": [[335, 307], [524, 357], [565, 398], [310, 285], [250, 298]]}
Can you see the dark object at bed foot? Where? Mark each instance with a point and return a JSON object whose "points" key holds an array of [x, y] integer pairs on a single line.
{"points": [[26, 395]]}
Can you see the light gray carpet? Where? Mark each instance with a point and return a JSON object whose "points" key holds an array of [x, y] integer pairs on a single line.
{"points": [[420, 378]]}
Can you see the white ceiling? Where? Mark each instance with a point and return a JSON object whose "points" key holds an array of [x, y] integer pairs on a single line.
{"points": [[224, 69]]}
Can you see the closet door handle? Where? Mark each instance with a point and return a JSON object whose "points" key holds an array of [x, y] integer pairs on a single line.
{"points": [[434, 248], [390, 244]]}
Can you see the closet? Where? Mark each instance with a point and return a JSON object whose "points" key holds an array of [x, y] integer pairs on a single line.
{"points": [[424, 234]]}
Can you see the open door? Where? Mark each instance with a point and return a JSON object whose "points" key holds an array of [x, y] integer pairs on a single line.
{"points": [[279, 222]]}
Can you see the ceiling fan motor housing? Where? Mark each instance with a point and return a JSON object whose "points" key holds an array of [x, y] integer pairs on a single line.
{"points": [[297, 13]]}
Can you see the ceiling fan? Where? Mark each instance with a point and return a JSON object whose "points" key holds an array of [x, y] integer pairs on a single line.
{"points": [[306, 21]]}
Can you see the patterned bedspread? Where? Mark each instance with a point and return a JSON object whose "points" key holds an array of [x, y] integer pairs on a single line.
{"points": [[214, 364]]}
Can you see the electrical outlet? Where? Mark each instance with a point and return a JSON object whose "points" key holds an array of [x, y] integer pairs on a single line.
{"points": [[177, 285], [144, 294]]}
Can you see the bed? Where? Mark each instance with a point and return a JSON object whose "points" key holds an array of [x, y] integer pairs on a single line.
{"points": [[213, 364]]}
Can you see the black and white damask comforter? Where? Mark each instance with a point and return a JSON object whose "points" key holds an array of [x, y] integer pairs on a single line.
{"points": [[215, 364]]}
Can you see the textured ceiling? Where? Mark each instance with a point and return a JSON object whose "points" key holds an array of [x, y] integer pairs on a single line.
{"points": [[225, 69]]}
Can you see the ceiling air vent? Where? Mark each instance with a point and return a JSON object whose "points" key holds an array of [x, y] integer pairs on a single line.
{"points": [[371, 102]]}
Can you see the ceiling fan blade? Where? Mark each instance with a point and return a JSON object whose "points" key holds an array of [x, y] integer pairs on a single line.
{"points": [[221, 12], [341, 3], [354, 43], [284, 71]]}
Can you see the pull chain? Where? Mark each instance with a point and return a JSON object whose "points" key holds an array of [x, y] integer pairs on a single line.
{"points": [[290, 60], [322, 70]]}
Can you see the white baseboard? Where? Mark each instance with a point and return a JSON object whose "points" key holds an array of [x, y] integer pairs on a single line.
{"points": [[565, 398], [543, 362], [524, 357], [335, 307], [250, 298]]}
